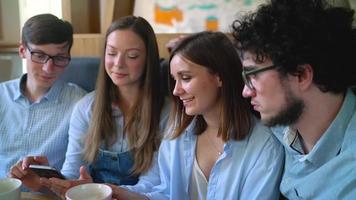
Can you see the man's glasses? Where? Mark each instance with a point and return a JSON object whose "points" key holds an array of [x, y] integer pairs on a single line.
{"points": [[42, 58], [246, 75]]}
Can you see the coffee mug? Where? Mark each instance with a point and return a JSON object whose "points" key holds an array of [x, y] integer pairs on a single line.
{"points": [[89, 191], [10, 189]]}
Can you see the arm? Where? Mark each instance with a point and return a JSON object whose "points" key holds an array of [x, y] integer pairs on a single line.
{"points": [[162, 190], [78, 127], [152, 185], [264, 178], [147, 180]]}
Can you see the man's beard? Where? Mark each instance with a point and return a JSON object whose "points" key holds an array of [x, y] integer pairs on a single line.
{"points": [[289, 114]]}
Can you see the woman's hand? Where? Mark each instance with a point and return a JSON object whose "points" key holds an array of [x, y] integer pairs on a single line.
{"points": [[60, 186], [21, 171]]}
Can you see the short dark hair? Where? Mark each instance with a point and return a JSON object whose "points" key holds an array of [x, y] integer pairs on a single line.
{"points": [[296, 32], [46, 29], [215, 51]]}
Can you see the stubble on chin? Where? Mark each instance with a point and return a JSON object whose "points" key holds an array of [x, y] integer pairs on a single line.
{"points": [[288, 114]]}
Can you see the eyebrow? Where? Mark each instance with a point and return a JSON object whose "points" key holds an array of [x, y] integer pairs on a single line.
{"points": [[134, 48], [180, 73], [184, 72]]}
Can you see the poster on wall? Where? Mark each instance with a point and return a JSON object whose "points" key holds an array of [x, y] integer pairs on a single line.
{"points": [[187, 16]]}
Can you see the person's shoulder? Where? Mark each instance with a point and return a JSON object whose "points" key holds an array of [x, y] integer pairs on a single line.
{"points": [[186, 136], [87, 100], [74, 89], [262, 135], [9, 85], [9, 89]]}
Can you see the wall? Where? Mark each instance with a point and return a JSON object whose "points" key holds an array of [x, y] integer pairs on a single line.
{"points": [[10, 62], [9, 11]]}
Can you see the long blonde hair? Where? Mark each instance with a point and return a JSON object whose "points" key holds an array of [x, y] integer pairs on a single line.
{"points": [[142, 123]]}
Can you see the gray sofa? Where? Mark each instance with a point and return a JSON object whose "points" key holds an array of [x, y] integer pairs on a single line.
{"points": [[82, 71]]}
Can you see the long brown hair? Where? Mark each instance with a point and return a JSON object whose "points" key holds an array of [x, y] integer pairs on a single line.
{"points": [[142, 122], [216, 52]]}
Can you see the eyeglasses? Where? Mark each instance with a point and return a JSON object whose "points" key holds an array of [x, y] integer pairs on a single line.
{"points": [[42, 58], [246, 75]]}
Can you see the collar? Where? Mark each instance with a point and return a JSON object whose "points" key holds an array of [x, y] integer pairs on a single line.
{"points": [[53, 94], [189, 135], [291, 138], [330, 143], [20, 83], [189, 131]]}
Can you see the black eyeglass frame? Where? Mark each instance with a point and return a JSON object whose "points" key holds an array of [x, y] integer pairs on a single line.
{"points": [[47, 57], [246, 74]]}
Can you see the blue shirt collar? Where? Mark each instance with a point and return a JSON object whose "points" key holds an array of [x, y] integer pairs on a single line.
{"points": [[19, 92], [190, 135], [329, 145], [53, 93]]}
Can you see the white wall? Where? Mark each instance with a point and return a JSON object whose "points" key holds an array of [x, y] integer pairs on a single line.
{"points": [[29, 8]]}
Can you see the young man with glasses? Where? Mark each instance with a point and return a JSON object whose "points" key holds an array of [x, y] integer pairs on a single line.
{"points": [[298, 60], [35, 109]]}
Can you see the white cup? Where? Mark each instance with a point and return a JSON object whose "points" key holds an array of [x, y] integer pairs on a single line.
{"points": [[89, 191], [10, 189]]}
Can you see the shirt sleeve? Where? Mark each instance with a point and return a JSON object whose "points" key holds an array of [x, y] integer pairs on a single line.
{"points": [[264, 178], [78, 127], [161, 191], [155, 183], [147, 180]]}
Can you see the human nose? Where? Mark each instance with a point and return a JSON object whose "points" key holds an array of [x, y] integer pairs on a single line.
{"points": [[48, 66], [119, 60], [178, 90], [248, 92]]}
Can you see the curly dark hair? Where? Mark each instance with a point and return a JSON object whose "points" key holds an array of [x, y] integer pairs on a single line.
{"points": [[296, 32]]}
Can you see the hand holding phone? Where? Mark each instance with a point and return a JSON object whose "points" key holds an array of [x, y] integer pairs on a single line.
{"points": [[46, 171]]}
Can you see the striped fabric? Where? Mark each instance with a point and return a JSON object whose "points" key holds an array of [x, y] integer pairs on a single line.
{"points": [[39, 128]]}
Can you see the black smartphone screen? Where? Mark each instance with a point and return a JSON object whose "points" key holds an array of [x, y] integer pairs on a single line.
{"points": [[47, 172]]}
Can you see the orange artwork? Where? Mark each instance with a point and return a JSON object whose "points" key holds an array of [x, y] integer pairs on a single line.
{"points": [[211, 24], [167, 15]]}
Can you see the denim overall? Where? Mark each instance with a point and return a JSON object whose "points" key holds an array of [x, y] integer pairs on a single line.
{"points": [[112, 167]]}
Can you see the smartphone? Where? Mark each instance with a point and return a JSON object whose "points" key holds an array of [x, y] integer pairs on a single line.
{"points": [[46, 171]]}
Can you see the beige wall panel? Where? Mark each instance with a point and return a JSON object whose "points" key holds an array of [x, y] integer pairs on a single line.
{"points": [[88, 45]]}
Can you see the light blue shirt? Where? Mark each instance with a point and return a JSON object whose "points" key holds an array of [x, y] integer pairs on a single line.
{"points": [[79, 125], [328, 171], [39, 128], [247, 169]]}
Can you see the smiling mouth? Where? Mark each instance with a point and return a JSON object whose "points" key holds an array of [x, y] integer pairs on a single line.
{"points": [[186, 101]]}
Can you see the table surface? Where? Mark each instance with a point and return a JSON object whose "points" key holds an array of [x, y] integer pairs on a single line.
{"points": [[36, 196]]}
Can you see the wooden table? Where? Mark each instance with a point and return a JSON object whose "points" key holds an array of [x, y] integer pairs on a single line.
{"points": [[36, 196]]}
